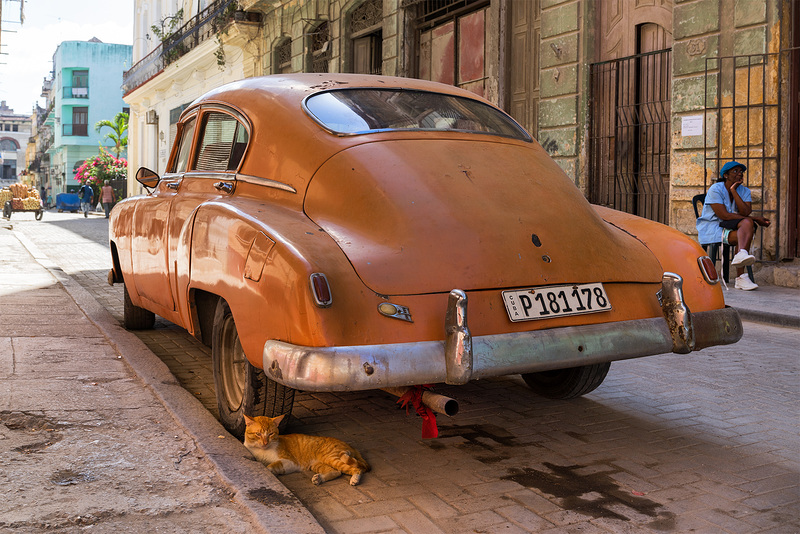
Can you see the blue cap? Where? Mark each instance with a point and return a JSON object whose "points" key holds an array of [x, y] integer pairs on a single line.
{"points": [[731, 165]]}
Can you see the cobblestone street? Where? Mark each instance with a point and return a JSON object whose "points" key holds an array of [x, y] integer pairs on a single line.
{"points": [[707, 442]]}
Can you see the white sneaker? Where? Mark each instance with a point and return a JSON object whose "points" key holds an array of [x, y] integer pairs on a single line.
{"points": [[743, 259], [744, 283]]}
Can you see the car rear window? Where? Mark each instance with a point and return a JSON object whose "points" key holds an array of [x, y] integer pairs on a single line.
{"points": [[359, 111]]}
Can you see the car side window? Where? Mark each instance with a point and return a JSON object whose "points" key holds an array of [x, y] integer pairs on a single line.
{"points": [[186, 146], [224, 140]]}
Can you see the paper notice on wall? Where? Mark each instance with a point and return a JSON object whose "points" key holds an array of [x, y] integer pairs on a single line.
{"points": [[691, 125]]}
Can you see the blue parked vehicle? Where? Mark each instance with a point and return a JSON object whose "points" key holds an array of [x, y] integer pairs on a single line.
{"points": [[68, 202]]}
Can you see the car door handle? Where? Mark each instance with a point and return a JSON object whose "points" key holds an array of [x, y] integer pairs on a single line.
{"points": [[173, 185], [224, 186]]}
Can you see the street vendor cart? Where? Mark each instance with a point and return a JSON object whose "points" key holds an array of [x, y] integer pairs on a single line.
{"points": [[21, 198]]}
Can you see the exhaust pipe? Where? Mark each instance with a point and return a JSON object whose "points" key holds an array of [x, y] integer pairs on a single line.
{"points": [[434, 401]]}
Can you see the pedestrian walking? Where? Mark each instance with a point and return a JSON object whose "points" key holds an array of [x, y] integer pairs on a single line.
{"points": [[86, 195], [107, 194]]}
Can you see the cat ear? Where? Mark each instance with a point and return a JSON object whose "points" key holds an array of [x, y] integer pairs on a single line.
{"points": [[277, 420], [248, 420]]}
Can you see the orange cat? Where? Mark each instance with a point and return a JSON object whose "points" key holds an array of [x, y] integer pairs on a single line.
{"points": [[327, 457]]}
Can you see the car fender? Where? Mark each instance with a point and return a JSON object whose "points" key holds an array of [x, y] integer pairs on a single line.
{"points": [[676, 252], [121, 218], [259, 259]]}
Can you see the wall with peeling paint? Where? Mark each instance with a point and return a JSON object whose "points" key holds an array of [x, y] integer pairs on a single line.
{"points": [[745, 124]]}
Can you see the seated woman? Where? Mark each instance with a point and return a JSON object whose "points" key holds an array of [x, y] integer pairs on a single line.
{"points": [[727, 218]]}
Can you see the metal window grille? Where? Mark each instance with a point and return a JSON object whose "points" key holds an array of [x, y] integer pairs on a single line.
{"points": [[431, 12], [320, 48], [366, 17], [743, 122], [283, 57]]}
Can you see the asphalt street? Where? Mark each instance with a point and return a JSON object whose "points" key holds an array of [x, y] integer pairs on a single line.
{"points": [[706, 442]]}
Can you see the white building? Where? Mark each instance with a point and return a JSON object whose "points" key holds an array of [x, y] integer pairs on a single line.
{"points": [[14, 133]]}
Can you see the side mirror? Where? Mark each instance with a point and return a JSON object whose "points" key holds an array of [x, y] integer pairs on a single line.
{"points": [[147, 178]]}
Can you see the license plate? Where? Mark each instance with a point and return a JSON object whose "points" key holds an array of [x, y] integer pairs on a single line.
{"points": [[555, 301]]}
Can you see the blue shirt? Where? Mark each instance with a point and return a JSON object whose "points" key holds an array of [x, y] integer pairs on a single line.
{"points": [[86, 193], [708, 229]]}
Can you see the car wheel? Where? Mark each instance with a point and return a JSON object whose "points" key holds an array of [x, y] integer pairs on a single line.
{"points": [[567, 383], [134, 317], [240, 387]]}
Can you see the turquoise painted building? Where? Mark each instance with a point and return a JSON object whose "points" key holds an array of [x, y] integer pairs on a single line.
{"points": [[86, 88]]}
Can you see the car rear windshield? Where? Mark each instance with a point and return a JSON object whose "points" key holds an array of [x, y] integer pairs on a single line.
{"points": [[359, 111]]}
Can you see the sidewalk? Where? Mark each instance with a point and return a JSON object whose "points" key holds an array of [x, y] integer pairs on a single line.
{"points": [[89, 438], [768, 304]]}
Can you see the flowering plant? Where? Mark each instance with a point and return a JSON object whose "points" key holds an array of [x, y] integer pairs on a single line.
{"points": [[100, 168]]}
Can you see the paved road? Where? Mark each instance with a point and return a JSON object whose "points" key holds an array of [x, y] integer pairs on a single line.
{"points": [[701, 443]]}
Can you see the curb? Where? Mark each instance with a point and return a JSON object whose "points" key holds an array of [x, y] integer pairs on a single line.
{"points": [[273, 507], [776, 319]]}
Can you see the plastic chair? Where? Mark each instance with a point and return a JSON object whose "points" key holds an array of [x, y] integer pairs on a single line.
{"points": [[713, 248]]}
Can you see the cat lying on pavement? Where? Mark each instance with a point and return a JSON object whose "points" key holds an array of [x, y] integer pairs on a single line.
{"points": [[327, 457]]}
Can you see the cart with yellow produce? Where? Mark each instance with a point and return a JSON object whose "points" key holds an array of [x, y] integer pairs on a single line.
{"points": [[21, 198]]}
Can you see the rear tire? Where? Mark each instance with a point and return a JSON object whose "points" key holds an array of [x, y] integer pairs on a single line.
{"points": [[241, 388], [567, 383], [134, 317]]}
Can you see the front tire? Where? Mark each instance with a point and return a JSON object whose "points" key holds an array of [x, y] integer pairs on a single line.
{"points": [[567, 383], [241, 388], [134, 317]]}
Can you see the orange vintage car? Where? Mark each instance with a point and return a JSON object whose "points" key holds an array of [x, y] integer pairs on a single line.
{"points": [[334, 232]]}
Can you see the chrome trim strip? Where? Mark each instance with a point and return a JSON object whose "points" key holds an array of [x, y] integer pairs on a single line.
{"points": [[266, 182], [356, 368]]}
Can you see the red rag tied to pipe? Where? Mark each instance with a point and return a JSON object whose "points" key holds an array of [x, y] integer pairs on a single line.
{"points": [[413, 397]]}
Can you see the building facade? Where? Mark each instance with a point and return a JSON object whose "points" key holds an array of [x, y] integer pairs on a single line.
{"points": [[83, 89], [181, 50], [640, 103], [15, 129]]}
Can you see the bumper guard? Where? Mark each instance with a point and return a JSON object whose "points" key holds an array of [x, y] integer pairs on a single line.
{"points": [[461, 357]]}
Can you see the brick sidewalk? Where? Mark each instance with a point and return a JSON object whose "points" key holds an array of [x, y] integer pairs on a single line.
{"points": [[706, 442]]}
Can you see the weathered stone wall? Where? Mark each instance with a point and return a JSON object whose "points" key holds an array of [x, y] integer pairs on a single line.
{"points": [[297, 18], [562, 101], [720, 29]]}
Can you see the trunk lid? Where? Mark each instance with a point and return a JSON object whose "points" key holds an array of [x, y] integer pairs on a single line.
{"points": [[427, 216]]}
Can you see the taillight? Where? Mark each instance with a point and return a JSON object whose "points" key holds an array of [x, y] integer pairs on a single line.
{"points": [[708, 269], [321, 290]]}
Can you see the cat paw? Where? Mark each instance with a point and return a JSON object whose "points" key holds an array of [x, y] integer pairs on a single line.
{"points": [[317, 479], [355, 479]]}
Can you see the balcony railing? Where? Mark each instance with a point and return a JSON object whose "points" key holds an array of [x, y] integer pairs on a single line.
{"points": [[202, 27], [76, 92], [75, 129]]}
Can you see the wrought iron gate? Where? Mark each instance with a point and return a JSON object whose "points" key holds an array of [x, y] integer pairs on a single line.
{"points": [[629, 134]]}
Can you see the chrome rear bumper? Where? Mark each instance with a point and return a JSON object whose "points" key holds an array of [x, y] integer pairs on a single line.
{"points": [[461, 357]]}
